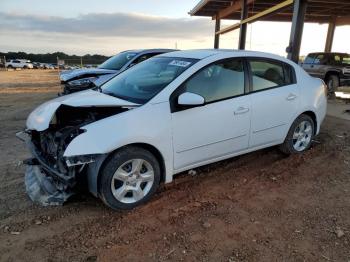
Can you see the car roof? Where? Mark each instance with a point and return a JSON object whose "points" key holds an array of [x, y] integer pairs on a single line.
{"points": [[204, 53], [153, 50], [195, 54]]}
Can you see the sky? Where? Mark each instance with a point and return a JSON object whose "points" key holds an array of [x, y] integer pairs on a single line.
{"points": [[110, 26]]}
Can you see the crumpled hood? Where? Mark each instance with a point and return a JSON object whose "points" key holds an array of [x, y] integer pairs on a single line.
{"points": [[40, 118], [80, 73]]}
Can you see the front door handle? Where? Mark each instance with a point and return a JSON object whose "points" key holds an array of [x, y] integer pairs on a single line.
{"points": [[291, 97], [241, 110]]}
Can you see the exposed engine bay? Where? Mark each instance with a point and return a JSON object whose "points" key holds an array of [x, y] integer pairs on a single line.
{"points": [[51, 177], [64, 127]]}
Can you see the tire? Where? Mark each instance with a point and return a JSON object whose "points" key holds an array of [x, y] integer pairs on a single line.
{"points": [[10, 66], [333, 83], [117, 178], [290, 144]]}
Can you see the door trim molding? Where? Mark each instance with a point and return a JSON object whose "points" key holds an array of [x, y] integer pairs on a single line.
{"points": [[261, 130], [224, 140]]}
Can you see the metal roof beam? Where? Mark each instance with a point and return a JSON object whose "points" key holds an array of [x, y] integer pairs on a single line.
{"points": [[343, 21], [258, 16], [236, 6]]}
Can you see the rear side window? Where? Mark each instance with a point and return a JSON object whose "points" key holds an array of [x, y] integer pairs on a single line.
{"points": [[222, 80], [270, 74], [143, 58]]}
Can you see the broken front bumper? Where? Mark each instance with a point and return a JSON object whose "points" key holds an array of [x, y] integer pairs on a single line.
{"points": [[42, 189], [44, 184]]}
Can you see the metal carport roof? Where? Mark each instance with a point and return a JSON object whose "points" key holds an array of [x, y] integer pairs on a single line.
{"points": [[318, 11], [333, 12]]}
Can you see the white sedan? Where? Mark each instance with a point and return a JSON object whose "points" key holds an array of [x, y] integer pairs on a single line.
{"points": [[171, 113]]}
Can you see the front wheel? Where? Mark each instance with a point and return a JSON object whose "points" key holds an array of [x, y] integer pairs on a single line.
{"points": [[300, 135], [129, 178], [332, 83]]}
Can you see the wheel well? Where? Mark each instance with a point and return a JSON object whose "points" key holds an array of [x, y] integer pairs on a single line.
{"points": [[148, 147], [157, 154], [313, 117], [331, 73]]}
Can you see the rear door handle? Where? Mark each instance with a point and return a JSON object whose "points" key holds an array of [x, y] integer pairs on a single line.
{"points": [[291, 97], [241, 110]]}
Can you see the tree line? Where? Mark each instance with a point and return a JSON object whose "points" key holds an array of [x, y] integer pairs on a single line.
{"points": [[52, 57]]}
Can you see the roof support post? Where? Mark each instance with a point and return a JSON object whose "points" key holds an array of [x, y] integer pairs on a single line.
{"points": [[243, 26], [330, 36], [217, 36], [299, 11]]}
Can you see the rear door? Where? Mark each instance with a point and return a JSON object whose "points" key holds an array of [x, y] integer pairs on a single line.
{"points": [[275, 99]]}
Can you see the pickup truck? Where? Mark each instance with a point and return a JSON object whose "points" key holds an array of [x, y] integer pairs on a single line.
{"points": [[19, 63], [333, 68]]}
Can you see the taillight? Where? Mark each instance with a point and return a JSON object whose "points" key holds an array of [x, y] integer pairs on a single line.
{"points": [[325, 87]]}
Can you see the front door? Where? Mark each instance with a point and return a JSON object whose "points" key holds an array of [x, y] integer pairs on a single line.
{"points": [[316, 68], [221, 126]]}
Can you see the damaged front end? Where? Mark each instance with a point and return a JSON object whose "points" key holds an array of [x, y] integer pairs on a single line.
{"points": [[50, 177]]}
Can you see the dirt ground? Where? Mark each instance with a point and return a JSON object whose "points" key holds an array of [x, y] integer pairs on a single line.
{"points": [[258, 207]]}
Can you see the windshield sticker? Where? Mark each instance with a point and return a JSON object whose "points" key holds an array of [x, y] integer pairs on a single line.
{"points": [[180, 63]]}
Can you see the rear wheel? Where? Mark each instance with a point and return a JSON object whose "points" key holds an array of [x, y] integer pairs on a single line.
{"points": [[300, 135], [129, 178]]}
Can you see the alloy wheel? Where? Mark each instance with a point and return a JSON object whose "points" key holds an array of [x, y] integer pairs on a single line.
{"points": [[302, 136], [132, 181]]}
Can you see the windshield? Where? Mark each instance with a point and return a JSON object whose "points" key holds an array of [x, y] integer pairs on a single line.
{"points": [[143, 81], [118, 61]]}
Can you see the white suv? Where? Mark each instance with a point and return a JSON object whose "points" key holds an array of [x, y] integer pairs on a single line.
{"points": [[19, 63], [171, 113]]}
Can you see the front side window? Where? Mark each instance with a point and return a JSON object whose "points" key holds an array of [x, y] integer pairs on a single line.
{"points": [[118, 61], [309, 59], [267, 75], [143, 81], [320, 59], [218, 81]]}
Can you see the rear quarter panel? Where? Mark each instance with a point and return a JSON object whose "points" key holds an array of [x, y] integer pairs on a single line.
{"points": [[312, 96]]}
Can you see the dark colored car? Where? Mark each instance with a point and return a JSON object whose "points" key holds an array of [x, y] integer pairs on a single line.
{"points": [[333, 68], [81, 79]]}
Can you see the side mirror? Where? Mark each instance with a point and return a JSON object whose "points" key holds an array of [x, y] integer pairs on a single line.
{"points": [[190, 99]]}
